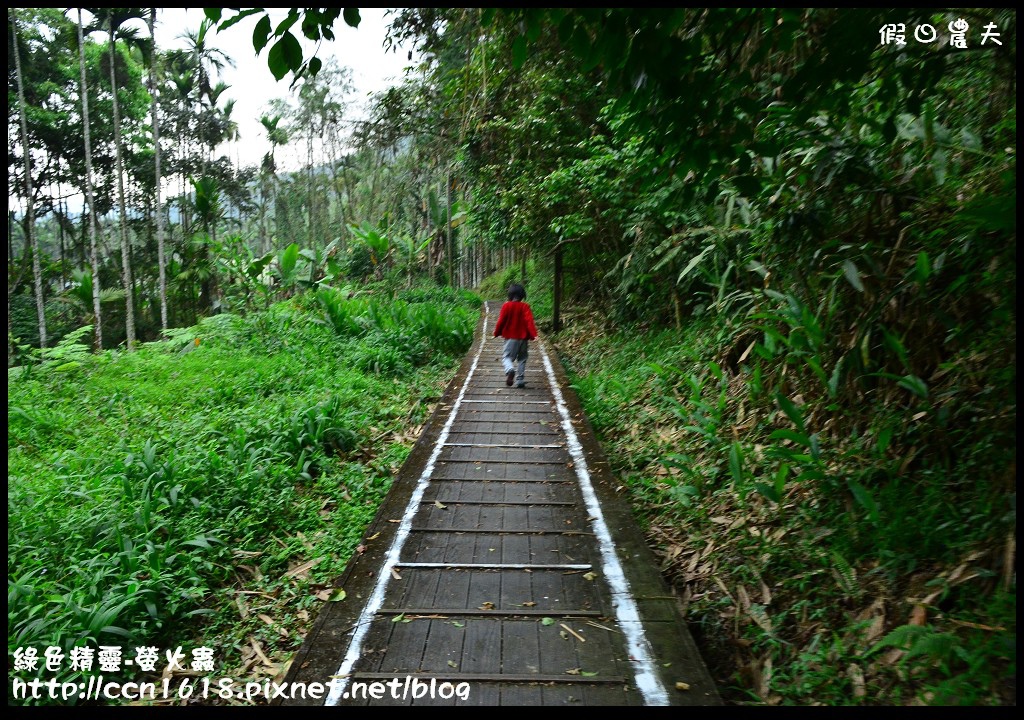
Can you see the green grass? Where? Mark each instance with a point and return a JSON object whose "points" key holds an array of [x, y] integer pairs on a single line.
{"points": [[154, 495]]}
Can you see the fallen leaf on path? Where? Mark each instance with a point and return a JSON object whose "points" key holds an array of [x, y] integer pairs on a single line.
{"points": [[259, 652]]}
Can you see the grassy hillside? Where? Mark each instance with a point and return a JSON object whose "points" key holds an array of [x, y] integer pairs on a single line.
{"points": [[205, 490]]}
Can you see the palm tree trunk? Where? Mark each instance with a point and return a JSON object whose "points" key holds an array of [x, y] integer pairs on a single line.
{"points": [[264, 241], [448, 227], [161, 256], [94, 262], [126, 265], [29, 207]]}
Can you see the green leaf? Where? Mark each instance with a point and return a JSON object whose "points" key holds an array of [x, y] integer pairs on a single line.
{"points": [[351, 16], [884, 436], [863, 497], [232, 21], [314, 65], [780, 479], [398, 618], [853, 275], [213, 14], [923, 268], [518, 51], [815, 447], [261, 34], [285, 55], [338, 595], [768, 491], [694, 262], [792, 411], [833, 381], [286, 262], [533, 28], [285, 25], [736, 463], [915, 385], [547, 621], [292, 51], [785, 434]]}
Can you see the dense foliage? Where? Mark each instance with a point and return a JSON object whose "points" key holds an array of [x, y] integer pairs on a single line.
{"points": [[799, 239]]}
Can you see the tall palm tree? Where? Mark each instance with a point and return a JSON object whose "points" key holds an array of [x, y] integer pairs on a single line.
{"points": [[277, 135], [161, 257], [94, 262], [113, 19], [29, 206], [207, 59], [182, 80]]}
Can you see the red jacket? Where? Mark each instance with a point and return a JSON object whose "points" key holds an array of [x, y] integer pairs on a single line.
{"points": [[515, 322]]}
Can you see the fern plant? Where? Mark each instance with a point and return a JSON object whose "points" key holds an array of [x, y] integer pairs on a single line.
{"points": [[69, 353]]}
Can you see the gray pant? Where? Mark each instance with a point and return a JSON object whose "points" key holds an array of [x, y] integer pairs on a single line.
{"points": [[514, 358]]}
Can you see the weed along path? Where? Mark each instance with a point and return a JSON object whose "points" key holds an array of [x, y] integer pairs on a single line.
{"points": [[502, 568]]}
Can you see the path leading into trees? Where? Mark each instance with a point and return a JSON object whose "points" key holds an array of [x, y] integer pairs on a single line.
{"points": [[503, 568]]}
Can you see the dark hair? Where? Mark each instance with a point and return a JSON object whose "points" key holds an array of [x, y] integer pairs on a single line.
{"points": [[516, 292]]}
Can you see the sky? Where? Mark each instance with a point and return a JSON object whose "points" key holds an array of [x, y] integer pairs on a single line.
{"points": [[252, 85]]}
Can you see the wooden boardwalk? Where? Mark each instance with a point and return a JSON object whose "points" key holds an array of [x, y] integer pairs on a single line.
{"points": [[503, 568]]}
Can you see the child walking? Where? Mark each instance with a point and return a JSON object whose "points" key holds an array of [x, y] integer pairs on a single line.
{"points": [[515, 324]]}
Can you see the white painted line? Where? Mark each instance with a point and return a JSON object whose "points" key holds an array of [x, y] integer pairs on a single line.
{"points": [[626, 612], [376, 599]]}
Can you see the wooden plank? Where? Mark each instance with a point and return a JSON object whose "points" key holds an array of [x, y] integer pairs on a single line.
{"points": [[502, 610], [496, 566], [504, 678], [520, 647], [417, 587], [455, 501], [443, 650], [558, 654], [504, 531], [453, 590]]}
